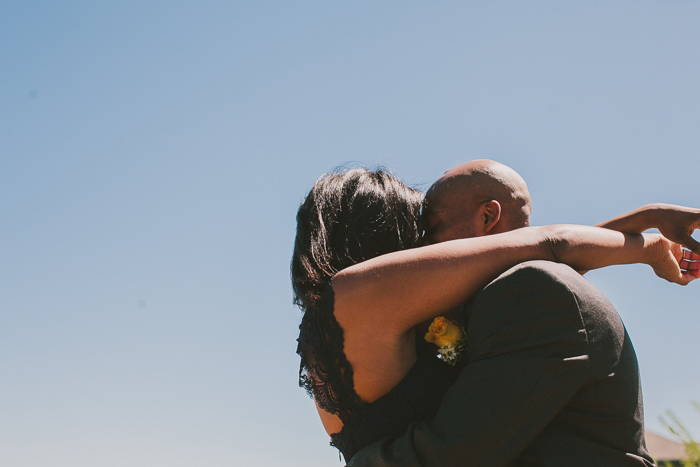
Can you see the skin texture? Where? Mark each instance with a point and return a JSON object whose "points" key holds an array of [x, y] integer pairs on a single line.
{"points": [[477, 198]]}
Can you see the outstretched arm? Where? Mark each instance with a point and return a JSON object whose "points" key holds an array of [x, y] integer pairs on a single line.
{"points": [[397, 291]]}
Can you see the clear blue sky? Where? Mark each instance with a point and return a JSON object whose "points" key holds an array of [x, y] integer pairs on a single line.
{"points": [[153, 155]]}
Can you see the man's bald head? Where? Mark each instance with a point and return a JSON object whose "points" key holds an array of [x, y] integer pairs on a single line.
{"points": [[476, 198]]}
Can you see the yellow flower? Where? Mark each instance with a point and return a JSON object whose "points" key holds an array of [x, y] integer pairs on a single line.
{"points": [[443, 332]]}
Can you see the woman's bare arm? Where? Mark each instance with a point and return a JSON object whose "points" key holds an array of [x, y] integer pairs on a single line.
{"points": [[394, 292]]}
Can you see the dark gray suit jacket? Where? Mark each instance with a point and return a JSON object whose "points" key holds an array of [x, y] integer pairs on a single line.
{"points": [[551, 380]]}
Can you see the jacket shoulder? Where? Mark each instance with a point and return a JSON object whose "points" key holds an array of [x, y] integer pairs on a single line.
{"points": [[555, 294]]}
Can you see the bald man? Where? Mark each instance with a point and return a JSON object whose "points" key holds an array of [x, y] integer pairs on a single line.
{"points": [[476, 198], [551, 377]]}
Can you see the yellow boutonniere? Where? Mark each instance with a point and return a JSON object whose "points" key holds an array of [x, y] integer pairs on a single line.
{"points": [[449, 337]]}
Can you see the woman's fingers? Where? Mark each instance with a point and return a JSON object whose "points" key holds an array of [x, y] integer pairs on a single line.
{"points": [[689, 261], [680, 265]]}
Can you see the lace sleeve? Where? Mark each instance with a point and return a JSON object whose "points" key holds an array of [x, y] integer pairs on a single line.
{"points": [[325, 372]]}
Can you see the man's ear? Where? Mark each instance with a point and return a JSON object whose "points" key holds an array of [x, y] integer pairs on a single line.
{"points": [[490, 215]]}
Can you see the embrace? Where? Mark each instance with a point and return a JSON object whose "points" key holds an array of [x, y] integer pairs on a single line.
{"points": [[536, 367]]}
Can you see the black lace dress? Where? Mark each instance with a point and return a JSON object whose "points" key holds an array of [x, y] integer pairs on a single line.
{"points": [[327, 375]]}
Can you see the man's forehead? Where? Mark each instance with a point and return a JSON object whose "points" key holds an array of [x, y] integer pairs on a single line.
{"points": [[444, 193], [439, 206]]}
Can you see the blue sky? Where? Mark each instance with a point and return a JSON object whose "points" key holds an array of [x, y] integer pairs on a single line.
{"points": [[153, 155]]}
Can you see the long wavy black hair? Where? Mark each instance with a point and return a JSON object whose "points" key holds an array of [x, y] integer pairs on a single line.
{"points": [[348, 217]]}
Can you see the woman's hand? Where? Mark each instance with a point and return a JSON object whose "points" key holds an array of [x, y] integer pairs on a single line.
{"points": [[670, 261]]}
